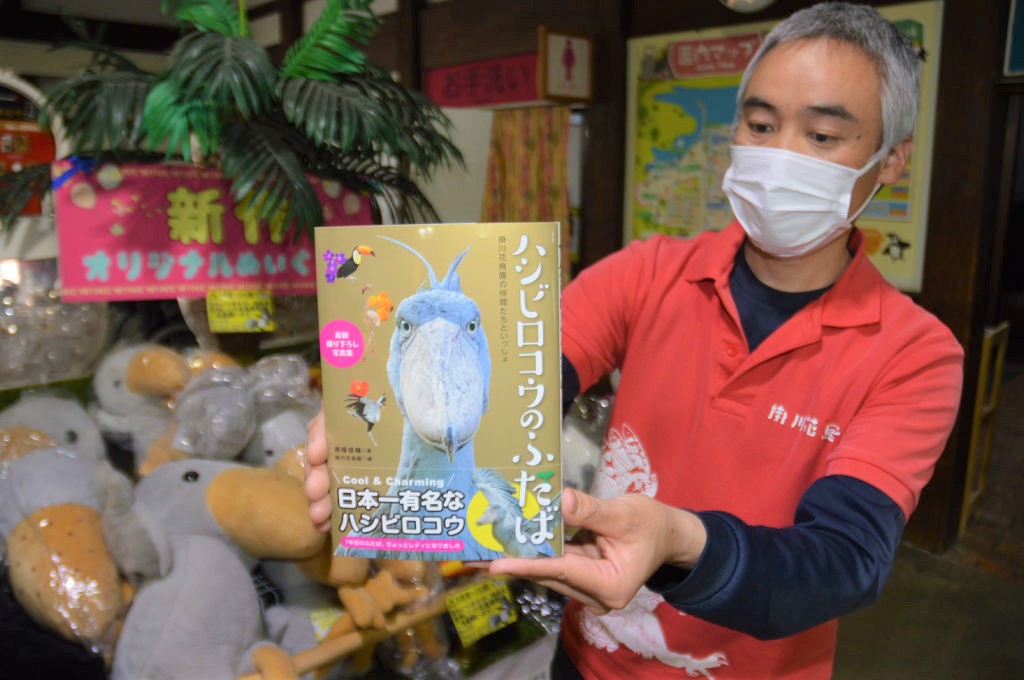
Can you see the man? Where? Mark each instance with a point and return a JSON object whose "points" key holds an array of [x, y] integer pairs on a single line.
{"points": [[780, 405]]}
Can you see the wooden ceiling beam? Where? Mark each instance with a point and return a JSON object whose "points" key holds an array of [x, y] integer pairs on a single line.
{"points": [[19, 24]]}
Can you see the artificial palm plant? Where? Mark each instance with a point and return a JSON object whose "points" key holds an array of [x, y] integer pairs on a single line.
{"points": [[324, 110]]}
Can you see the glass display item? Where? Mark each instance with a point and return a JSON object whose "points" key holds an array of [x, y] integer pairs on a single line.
{"points": [[42, 338]]}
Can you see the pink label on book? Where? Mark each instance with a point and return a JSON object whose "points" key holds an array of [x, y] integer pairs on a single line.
{"points": [[419, 544], [341, 343]]}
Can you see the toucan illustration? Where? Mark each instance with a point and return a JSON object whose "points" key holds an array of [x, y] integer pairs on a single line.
{"points": [[348, 267]]}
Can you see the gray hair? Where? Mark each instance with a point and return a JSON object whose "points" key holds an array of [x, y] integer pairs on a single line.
{"points": [[893, 53]]}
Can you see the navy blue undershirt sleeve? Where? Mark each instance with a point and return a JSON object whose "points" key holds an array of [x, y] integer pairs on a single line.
{"points": [[773, 582]]}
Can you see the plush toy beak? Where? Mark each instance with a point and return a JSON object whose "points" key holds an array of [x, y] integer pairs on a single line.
{"points": [[15, 442], [290, 463], [265, 512], [157, 371], [63, 575]]}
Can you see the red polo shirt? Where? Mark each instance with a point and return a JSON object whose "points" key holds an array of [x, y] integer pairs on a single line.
{"points": [[862, 382]]}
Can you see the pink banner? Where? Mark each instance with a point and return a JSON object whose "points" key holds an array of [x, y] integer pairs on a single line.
{"points": [[508, 80], [148, 232], [712, 56]]}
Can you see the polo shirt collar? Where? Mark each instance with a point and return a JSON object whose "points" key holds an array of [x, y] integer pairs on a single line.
{"points": [[717, 260], [854, 299]]}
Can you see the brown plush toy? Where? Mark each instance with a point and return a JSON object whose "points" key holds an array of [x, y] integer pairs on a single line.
{"points": [[425, 641], [377, 597], [59, 564], [368, 601]]}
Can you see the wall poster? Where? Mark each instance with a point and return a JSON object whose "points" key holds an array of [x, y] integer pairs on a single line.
{"points": [[681, 102]]}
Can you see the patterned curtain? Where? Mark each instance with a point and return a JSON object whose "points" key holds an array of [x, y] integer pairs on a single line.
{"points": [[527, 172]]}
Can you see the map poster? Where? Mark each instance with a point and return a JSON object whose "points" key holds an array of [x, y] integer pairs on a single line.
{"points": [[681, 103]]}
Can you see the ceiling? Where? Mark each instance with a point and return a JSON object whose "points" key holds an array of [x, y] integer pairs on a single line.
{"points": [[141, 12], [136, 28], [147, 12]]}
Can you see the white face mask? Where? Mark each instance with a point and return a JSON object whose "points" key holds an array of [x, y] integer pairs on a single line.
{"points": [[788, 203]]}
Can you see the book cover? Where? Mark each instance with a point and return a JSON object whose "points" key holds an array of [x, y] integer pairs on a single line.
{"points": [[441, 358]]}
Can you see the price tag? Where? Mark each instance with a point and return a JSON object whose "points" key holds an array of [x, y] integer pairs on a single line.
{"points": [[323, 619], [240, 311], [481, 609]]}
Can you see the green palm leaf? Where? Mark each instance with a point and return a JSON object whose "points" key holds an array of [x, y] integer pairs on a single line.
{"points": [[333, 43], [368, 116], [218, 16], [171, 120], [102, 56], [18, 188], [100, 111], [264, 160], [399, 195], [228, 72]]}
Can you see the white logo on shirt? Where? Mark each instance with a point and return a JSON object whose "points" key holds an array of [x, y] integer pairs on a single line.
{"points": [[804, 424], [625, 468]]}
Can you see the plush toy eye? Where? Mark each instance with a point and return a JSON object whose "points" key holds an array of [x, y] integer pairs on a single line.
{"points": [[404, 326], [71, 436], [472, 326], [190, 476]]}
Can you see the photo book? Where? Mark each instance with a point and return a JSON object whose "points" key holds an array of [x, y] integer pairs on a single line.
{"points": [[440, 349]]}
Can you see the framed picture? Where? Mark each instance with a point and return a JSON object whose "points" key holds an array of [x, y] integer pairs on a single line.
{"points": [[565, 66]]}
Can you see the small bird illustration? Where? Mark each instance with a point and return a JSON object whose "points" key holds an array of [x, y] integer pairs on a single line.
{"points": [[367, 410], [349, 266], [895, 247]]}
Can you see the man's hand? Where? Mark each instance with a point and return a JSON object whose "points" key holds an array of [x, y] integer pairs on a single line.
{"points": [[622, 541], [318, 485]]}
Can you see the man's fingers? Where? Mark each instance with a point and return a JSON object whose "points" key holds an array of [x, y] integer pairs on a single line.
{"points": [[320, 513], [316, 441], [584, 511], [317, 484], [530, 568]]}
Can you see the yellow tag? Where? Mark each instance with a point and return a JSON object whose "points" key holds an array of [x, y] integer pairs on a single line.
{"points": [[240, 311], [323, 619], [449, 568], [481, 609]]}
